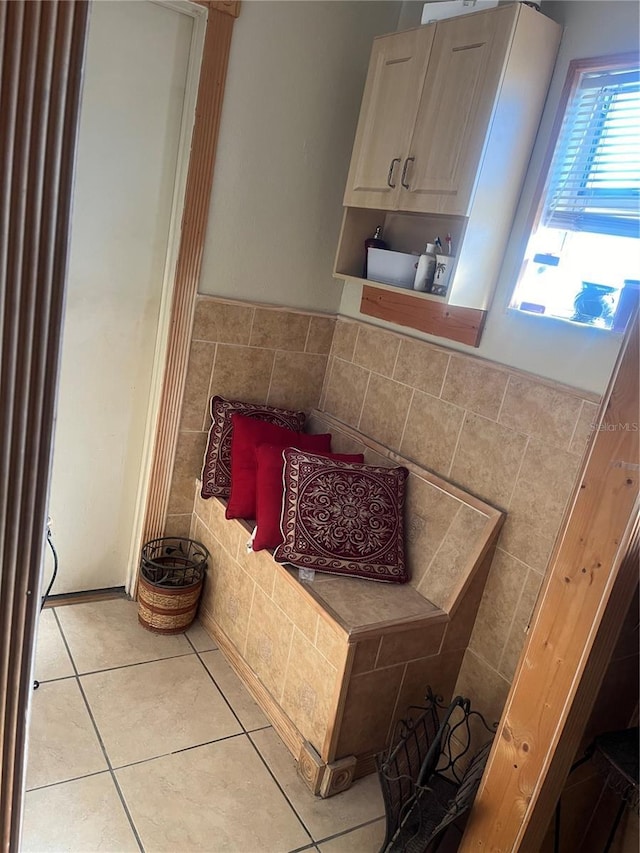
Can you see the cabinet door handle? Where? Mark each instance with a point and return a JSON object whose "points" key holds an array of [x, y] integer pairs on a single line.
{"points": [[391, 168], [404, 172]]}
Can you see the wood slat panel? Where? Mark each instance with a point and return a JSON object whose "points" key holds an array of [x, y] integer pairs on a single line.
{"points": [[436, 318], [592, 576], [194, 223], [42, 59]]}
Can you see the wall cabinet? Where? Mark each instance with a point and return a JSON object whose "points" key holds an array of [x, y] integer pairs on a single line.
{"points": [[392, 93], [448, 119]]}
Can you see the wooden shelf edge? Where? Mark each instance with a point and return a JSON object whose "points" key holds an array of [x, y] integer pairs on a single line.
{"points": [[464, 325], [392, 288]]}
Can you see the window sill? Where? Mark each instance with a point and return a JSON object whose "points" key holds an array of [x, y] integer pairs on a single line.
{"points": [[560, 323]]}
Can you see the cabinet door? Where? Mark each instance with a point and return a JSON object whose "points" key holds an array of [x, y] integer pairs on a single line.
{"points": [[454, 115], [392, 92]]}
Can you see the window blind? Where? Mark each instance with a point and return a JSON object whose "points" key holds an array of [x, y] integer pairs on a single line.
{"points": [[595, 174]]}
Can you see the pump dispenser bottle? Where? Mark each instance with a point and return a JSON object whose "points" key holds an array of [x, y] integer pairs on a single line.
{"points": [[426, 269], [375, 242]]}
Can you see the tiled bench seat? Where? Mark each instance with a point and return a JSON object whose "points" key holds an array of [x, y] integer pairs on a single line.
{"points": [[335, 662]]}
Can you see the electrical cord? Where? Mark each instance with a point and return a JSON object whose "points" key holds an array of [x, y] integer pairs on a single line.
{"points": [[55, 566], [36, 683]]}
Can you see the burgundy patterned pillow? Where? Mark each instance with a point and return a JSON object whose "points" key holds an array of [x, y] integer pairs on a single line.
{"points": [[343, 518], [216, 470]]}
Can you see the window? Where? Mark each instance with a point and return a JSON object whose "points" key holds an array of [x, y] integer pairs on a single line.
{"points": [[582, 258]]}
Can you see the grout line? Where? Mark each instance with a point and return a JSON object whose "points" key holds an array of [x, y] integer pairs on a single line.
{"points": [[406, 419], [457, 444], [283, 792], [504, 397], [511, 626], [207, 408], [178, 751], [323, 390], [437, 551], [100, 741], [253, 317], [54, 680], [395, 361], [351, 829], [286, 666], [273, 370], [200, 651], [113, 775], [306, 340], [503, 550], [375, 662], [355, 346], [444, 378], [221, 691], [575, 427], [517, 477], [64, 781], [393, 722], [253, 598], [137, 663], [364, 399]]}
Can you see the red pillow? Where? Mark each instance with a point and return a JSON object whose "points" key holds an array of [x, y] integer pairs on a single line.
{"points": [[247, 434], [270, 489]]}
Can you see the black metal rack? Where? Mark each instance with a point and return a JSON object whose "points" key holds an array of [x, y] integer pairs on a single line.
{"points": [[431, 774], [615, 755]]}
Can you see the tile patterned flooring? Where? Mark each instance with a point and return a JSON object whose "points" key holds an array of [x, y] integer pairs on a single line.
{"points": [[147, 743]]}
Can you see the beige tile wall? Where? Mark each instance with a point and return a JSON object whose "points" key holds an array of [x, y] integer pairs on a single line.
{"points": [[513, 439], [297, 654], [244, 352]]}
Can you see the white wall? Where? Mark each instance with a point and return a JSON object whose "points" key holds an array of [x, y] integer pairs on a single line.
{"points": [[295, 81], [582, 357]]}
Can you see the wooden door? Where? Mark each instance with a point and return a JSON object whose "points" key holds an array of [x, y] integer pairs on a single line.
{"points": [[392, 92], [454, 115]]}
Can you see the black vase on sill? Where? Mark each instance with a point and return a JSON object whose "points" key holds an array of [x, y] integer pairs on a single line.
{"points": [[593, 302]]}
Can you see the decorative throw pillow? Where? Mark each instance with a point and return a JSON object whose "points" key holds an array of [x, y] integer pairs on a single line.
{"points": [[216, 470], [247, 434], [343, 518], [270, 490]]}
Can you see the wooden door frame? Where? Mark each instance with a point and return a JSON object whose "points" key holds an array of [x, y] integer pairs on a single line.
{"points": [[591, 578], [199, 13], [154, 497]]}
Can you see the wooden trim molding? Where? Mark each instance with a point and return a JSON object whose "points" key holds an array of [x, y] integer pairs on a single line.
{"points": [[194, 223], [42, 53], [591, 578], [436, 318], [228, 7]]}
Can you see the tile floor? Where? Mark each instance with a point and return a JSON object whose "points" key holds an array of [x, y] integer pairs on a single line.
{"points": [[142, 742]]}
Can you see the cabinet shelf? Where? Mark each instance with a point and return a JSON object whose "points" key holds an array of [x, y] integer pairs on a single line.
{"points": [[403, 232], [369, 282]]}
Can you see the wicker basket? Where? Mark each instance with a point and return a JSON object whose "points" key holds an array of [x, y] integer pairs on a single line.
{"points": [[171, 578]]}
